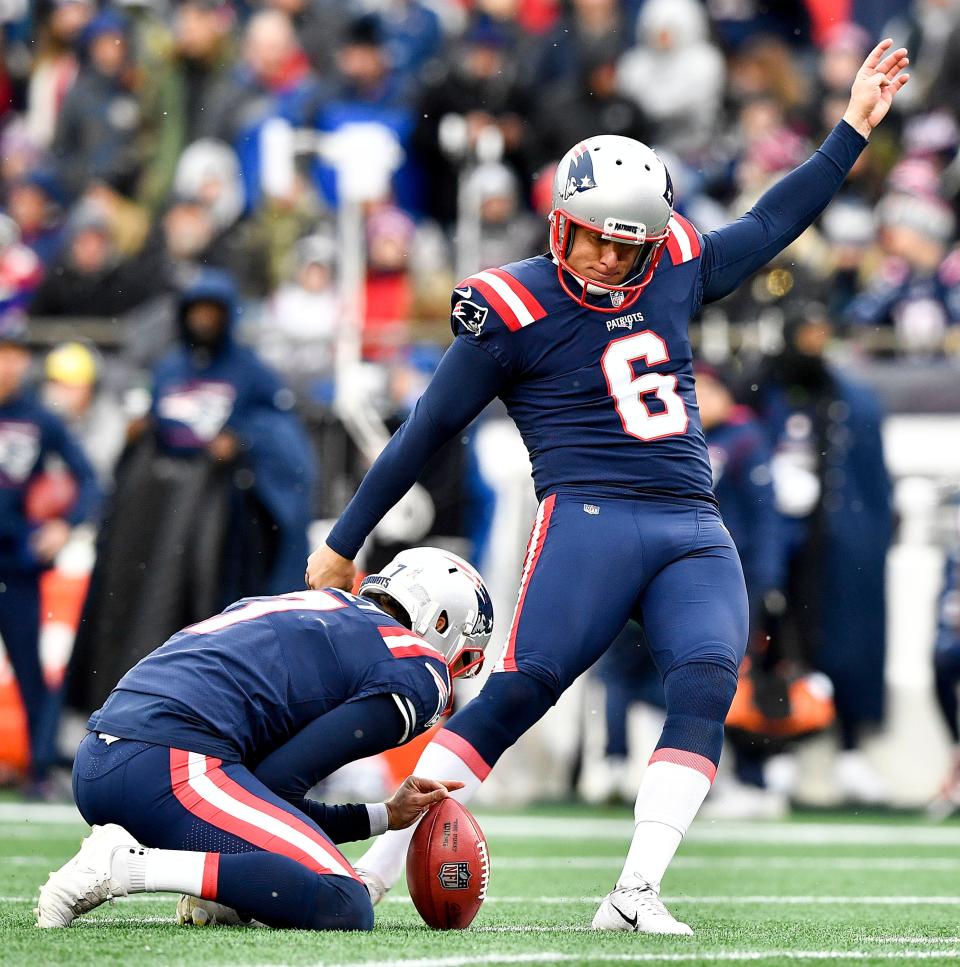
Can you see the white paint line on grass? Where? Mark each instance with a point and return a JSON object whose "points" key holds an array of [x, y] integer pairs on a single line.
{"points": [[719, 956], [733, 862], [865, 864], [21, 816], [17, 812], [914, 940], [750, 899], [807, 834]]}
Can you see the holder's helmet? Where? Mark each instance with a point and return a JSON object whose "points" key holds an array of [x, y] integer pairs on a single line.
{"points": [[427, 582], [620, 188]]}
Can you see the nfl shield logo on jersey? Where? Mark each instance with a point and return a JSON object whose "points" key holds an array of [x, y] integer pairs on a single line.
{"points": [[617, 298], [470, 315], [454, 876]]}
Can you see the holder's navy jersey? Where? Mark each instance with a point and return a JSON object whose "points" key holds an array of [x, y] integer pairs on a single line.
{"points": [[603, 401], [243, 682]]}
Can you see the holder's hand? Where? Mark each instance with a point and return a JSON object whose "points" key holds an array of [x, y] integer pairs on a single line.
{"points": [[415, 797], [328, 569]]}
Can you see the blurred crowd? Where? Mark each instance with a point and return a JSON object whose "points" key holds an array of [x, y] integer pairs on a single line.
{"points": [[142, 139], [172, 168]]}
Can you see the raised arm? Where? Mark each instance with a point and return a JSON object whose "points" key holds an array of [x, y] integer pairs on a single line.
{"points": [[733, 253], [467, 379]]}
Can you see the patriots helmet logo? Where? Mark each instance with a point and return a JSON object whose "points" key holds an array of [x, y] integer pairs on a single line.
{"points": [[668, 192], [470, 315], [580, 173]]}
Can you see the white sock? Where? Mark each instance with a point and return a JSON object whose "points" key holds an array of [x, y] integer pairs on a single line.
{"points": [[388, 854], [142, 870], [672, 790]]}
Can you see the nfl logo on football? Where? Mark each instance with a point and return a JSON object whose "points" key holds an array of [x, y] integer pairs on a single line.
{"points": [[454, 876], [617, 298]]}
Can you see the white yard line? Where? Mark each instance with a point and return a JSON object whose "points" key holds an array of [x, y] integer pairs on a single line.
{"points": [[914, 940], [865, 864], [749, 899], [899, 864], [20, 817]]}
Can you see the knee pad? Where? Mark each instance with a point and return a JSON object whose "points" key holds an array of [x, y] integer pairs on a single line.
{"points": [[508, 704], [698, 698]]}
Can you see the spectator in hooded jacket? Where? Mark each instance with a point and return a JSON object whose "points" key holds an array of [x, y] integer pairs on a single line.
{"points": [[97, 136], [673, 47], [90, 278]]}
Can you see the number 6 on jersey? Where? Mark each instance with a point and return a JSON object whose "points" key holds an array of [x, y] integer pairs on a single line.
{"points": [[628, 389]]}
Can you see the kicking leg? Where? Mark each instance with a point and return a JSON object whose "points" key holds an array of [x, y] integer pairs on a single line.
{"points": [[695, 616], [466, 750]]}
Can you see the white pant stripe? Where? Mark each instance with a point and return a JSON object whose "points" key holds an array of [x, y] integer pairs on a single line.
{"points": [[201, 783]]}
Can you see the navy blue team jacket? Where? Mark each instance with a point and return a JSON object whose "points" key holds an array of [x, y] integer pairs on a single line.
{"points": [[242, 683], [28, 432]]}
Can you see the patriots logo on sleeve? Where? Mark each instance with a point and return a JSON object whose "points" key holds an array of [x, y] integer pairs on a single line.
{"points": [[470, 315]]}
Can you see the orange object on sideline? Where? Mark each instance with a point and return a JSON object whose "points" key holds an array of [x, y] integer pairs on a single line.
{"points": [[14, 742], [61, 603]]}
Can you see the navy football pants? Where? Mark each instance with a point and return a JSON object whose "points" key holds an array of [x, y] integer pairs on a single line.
{"points": [[265, 858], [593, 563]]}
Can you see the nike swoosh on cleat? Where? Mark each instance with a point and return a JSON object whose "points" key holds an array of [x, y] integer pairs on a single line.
{"points": [[466, 293], [631, 920]]}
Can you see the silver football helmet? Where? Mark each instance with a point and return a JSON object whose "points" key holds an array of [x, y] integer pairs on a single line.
{"points": [[620, 188], [427, 583]]}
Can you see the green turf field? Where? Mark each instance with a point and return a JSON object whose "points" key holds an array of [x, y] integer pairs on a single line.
{"points": [[821, 888]]}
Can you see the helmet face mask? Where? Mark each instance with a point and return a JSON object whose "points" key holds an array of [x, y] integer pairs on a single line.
{"points": [[428, 584], [619, 189]]}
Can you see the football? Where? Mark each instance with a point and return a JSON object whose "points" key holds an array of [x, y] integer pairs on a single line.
{"points": [[448, 867]]}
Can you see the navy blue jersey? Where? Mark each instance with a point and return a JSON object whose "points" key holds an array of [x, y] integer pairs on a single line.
{"points": [[240, 684], [604, 401]]}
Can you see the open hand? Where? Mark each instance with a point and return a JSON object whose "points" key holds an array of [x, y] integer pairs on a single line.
{"points": [[875, 86], [414, 797], [328, 569]]}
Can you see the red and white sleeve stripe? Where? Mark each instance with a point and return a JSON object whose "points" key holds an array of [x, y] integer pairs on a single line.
{"points": [[684, 241], [406, 644], [509, 298]]}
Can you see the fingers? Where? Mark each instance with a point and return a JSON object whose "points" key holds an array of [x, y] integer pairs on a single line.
{"points": [[898, 82], [424, 785], [873, 58], [892, 65]]}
